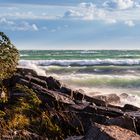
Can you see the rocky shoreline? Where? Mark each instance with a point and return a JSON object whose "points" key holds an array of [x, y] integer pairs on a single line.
{"points": [[40, 107]]}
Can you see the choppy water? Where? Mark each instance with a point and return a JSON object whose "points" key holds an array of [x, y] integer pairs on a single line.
{"points": [[98, 71]]}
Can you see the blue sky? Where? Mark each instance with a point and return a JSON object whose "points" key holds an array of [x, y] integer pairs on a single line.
{"points": [[71, 24]]}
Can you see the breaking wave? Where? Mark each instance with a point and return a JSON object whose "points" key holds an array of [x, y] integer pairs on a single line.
{"points": [[119, 62]]}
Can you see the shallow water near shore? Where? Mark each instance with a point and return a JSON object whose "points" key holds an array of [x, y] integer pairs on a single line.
{"points": [[95, 72]]}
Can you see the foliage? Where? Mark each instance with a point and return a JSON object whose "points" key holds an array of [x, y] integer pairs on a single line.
{"points": [[9, 57], [33, 99], [18, 121]]}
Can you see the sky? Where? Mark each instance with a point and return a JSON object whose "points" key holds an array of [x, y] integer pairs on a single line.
{"points": [[71, 24]]}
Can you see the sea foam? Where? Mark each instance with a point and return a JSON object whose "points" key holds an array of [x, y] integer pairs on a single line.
{"points": [[121, 62], [30, 65]]}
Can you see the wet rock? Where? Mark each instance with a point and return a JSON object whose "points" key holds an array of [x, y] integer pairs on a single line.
{"points": [[124, 95], [109, 99], [96, 101]]}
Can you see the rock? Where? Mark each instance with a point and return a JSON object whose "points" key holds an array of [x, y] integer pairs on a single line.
{"points": [[128, 107], [53, 96], [124, 95], [53, 84], [94, 132], [36, 80], [102, 132], [109, 99], [80, 106], [73, 112], [106, 111], [43, 93], [124, 122], [75, 138], [24, 82], [98, 102], [135, 116], [77, 95], [66, 90], [26, 71], [129, 120]]}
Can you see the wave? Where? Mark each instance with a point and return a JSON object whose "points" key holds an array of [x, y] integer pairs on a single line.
{"points": [[100, 81], [130, 99], [119, 62], [33, 66], [112, 70], [104, 83], [88, 52], [21, 55]]}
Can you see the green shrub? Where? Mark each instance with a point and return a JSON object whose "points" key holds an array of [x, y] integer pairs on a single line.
{"points": [[9, 57]]}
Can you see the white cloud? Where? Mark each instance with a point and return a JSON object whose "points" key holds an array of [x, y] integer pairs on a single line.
{"points": [[21, 26], [130, 23], [25, 12], [89, 11], [125, 4], [120, 4], [121, 11], [72, 13], [85, 11], [34, 26], [5, 21], [110, 21], [25, 26]]}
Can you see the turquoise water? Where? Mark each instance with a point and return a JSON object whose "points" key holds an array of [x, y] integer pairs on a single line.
{"points": [[94, 71], [79, 54]]}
